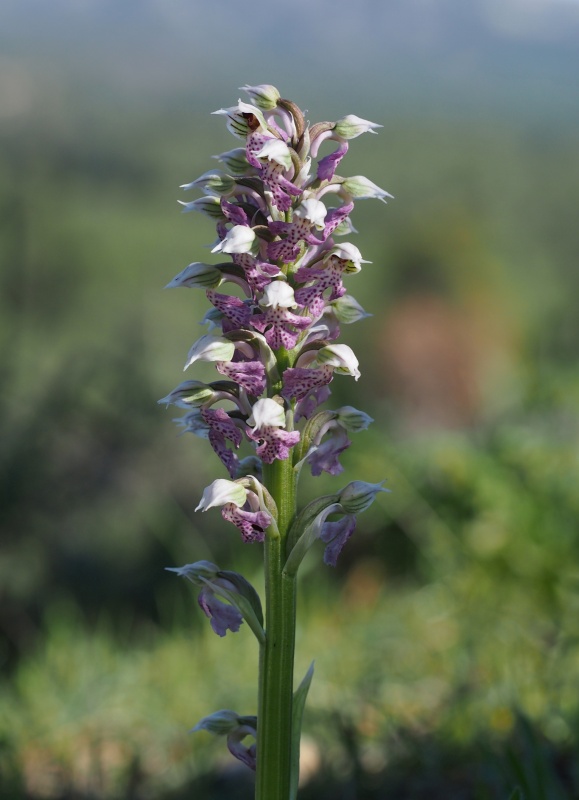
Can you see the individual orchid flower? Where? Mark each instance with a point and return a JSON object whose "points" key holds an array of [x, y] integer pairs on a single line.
{"points": [[324, 457], [325, 438], [240, 506], [310, 214], [272, 159], [236, 729], [280, 326], [327, 274], [268, 421], [217, 426], [299, 381], [226, 598], [348, 127]]}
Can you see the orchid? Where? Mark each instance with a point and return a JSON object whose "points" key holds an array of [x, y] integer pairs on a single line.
{"points": [[274, 344]]}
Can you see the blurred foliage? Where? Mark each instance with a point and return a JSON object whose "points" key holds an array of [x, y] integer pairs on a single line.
{"points": [[446, 642]]}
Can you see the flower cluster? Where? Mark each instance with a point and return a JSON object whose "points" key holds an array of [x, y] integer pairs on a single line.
{"points": [[279, 301]]}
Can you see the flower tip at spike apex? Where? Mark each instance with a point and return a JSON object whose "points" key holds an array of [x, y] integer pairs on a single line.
{"points": [[264, 95]]}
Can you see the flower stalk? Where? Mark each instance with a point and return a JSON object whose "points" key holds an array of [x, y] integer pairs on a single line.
{"points": [[274, 347]]}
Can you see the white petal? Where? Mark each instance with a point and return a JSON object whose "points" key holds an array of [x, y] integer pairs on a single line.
{"points": [[278, 294], [312, 210], [239, 239], [267, 412], [210, 348], [220, 492], [275, 150]]}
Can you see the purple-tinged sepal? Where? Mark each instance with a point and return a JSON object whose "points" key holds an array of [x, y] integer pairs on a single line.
{"points": [[324, 457], [217, 426], [236, 729], [336, 534], [346, 128], [250, 375], [250, 466], [306, 529], [236, 310], [325, 438]]}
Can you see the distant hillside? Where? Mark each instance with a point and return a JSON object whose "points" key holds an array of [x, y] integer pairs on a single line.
{"points": [[507, 56]]}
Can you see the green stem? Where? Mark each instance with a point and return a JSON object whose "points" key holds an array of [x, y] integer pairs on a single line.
{"points": [[277, 654]]}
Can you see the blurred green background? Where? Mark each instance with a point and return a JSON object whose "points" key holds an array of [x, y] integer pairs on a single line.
{"points": [[447, 640]]}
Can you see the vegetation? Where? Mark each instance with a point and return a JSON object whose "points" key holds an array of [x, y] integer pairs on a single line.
{"points": [[447, 667]]}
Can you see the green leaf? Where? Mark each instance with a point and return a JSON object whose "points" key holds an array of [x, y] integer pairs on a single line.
{"points": [[299, 703]]}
